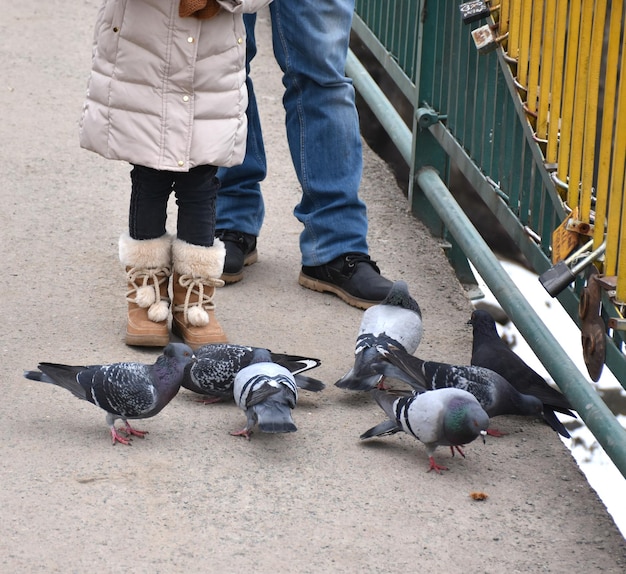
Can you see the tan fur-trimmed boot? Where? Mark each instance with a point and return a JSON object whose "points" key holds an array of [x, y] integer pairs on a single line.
{"points": [[148, 264], [197, 271]]}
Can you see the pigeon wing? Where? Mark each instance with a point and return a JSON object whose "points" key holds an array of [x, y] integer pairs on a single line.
{"points": [[261, 389], [125, 389], [491, 352], [404, 367], [215, 368]]}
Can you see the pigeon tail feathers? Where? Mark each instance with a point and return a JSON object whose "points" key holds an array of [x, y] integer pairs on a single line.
{"points": [[554, 422], [295, 363], [274, 417], [63, 376], [386, 402], [363, 375], [309, 383], [387, 427], [358, 383]]}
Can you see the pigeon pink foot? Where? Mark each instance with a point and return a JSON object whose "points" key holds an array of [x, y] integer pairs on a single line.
{"points": [[242, 432], [434, 466]]}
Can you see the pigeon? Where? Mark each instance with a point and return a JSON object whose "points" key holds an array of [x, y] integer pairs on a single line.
{"points": [[124, 390], [490, 351], [494, 393], [213, 372], [449, 417], [397, 321], [267, 392]]}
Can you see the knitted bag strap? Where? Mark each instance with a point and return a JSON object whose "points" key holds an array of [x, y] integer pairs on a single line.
{"points": [[202, 9]]}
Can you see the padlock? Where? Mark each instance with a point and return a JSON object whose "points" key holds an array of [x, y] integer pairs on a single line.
{"points": [[559, 276], [474, 11], [485, 39]]}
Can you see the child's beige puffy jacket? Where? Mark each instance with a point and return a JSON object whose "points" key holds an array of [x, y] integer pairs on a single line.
{"points": [[168, 92]]}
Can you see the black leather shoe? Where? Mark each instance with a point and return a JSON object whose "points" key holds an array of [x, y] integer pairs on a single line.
{"points": [[353, 277], [240, 251]]}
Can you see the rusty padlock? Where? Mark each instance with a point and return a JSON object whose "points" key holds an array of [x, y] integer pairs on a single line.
{"points": [[485, 38]]}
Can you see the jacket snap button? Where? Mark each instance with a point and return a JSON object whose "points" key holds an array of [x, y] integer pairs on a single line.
{"points": [[185, 98]]}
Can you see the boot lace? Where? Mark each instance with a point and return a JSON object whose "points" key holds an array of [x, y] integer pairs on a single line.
{"points": [[152, 278], [353, 259], [230, 235], [242, 240], [195, 286]]}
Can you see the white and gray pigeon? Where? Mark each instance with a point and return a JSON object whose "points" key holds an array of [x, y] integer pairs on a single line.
{"points": [[444, 417], [490, 351], [213, 372], [397, 320], [124, 390], [494, 393], [267, 393]]}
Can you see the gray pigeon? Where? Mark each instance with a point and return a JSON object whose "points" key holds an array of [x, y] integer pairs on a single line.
{"points": [[490, 351], [397, 320], [267, 393], [124, 390], [494, 393], [444, 417], [213, 372]]}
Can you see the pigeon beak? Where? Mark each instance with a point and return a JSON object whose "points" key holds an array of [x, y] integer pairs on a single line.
{"points": [[483, 434]]}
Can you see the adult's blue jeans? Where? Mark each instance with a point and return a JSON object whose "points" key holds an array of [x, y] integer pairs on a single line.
{"points": [[310, 41]]}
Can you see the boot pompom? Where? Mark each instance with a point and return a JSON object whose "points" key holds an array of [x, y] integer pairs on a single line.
{"points": [[197, 316], [159, 311], [144, 296]]}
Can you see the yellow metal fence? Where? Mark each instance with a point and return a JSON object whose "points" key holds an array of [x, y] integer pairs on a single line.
{"points": [[567, 59]]}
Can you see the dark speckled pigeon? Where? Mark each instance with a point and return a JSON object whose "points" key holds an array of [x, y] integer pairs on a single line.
{"points": [[397, 320], [494, 393], [213, 372], [490, 351], [267, 393], [124, 390], [444, 417]]}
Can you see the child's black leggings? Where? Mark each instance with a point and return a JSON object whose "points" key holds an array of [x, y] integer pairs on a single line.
{"points": [[196, 193]]}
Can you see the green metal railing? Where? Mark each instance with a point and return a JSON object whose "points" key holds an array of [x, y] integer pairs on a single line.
{"points": [[489, 115]]}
